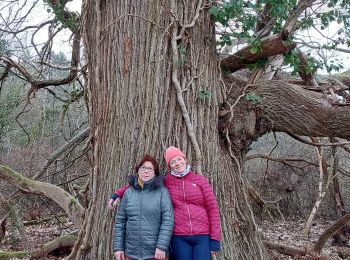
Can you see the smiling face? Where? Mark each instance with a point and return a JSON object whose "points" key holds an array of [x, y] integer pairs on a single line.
{"points": [[146, 171], [178, 164]]}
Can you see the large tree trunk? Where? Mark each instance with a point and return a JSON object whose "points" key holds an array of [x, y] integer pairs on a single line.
{"points": [[135, 109], [241, 238]]}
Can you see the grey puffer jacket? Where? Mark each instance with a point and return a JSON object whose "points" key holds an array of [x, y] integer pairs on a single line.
{"points": [[145, 220]]}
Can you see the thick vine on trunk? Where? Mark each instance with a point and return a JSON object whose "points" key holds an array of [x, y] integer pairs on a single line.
{"points": [[135, 110]]}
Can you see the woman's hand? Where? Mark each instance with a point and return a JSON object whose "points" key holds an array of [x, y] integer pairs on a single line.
{"points": [[113, 203], [159, 254], [119, 255], [214, 254]]}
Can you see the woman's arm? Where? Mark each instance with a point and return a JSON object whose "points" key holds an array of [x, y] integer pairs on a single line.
{"points": [[117, 195], [167, 221], [120, 226], [212, 208]]}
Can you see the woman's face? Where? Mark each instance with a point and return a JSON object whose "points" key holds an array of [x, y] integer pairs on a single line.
{"points": [[178, 164], [146, 171]]}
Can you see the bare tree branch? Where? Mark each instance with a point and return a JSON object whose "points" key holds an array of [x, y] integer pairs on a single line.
{"points": [[331, 231], [283, 249], [293, 18], [67, 202], [321, 190], [300, 139], [73, 142], [292, 109], [66, 240], [26, 28], [307, 252], [280, 160], [271, 46], [319, 46]]}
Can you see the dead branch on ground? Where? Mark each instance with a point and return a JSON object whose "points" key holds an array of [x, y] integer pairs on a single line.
{"points": [[67, 202]]}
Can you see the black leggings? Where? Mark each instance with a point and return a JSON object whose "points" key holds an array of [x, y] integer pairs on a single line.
{"points": [[190, 247]]}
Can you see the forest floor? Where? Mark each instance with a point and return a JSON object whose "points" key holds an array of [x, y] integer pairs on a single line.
{"points": [[291, 233], [288, 232], [33, 236]]}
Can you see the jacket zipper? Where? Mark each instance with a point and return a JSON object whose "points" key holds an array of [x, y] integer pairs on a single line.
{"points": [[188, 209]]}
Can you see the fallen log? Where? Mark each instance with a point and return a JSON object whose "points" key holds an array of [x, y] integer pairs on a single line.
{"points": [[63, 242]]}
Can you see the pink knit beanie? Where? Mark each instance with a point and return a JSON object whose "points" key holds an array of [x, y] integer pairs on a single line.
{"points": [[172, 152]]}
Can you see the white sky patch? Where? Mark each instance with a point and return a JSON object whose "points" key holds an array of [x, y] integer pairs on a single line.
{"points": [[318, 37], [62, 41], [15, 12]]}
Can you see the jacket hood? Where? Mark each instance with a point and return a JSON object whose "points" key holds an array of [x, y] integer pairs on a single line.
{"points": [[156, 182]]}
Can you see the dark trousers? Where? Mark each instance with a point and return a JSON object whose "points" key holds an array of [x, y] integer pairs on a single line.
{"points": [[190, 247]]}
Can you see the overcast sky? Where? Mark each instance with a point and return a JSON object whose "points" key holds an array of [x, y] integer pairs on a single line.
{"points": [[61, 42]]}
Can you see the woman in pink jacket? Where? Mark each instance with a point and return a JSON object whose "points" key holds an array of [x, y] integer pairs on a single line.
{"points": [[197, 228]]}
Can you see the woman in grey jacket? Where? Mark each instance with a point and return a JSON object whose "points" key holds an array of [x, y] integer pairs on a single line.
{"points": [[145, 219]]}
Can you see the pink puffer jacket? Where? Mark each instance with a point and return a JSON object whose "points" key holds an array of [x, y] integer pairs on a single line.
{"points": [[195, 208]]}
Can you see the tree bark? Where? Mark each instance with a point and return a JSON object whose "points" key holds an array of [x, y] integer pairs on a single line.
{"points": [[290, 108], [135, 110], [270, 46], [283, 107], [334, 189]]}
